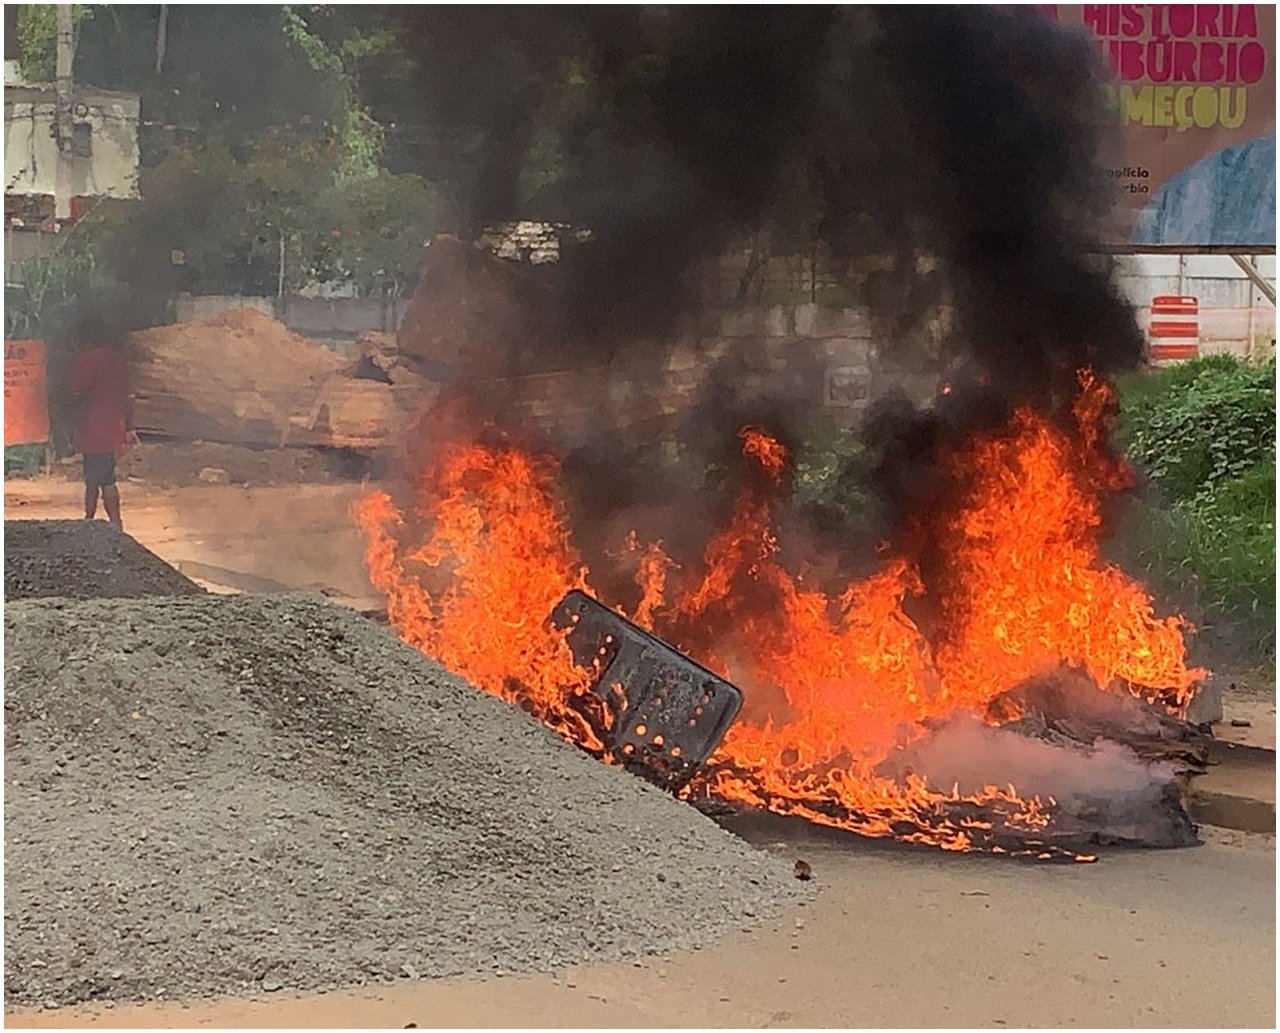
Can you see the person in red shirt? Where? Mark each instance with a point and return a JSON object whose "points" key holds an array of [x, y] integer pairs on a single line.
{"points": [[103, 416]]}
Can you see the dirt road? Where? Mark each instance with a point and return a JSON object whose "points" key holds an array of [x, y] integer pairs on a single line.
{"points": [[296, 536], [894, 938]]}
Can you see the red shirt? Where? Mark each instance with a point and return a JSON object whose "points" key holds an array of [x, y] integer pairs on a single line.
{"points": [[100, 382]]}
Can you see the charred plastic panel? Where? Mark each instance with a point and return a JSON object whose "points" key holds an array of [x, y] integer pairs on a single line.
{"points": [[670, 713]]}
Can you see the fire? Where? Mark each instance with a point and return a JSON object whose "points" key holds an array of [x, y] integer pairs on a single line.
{"points": [[475, 592], [833, 683], [651, 578], [1030, 588], [770, 453]]}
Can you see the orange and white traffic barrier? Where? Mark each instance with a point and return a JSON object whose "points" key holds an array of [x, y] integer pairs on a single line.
{"points": [[1174, 329]]}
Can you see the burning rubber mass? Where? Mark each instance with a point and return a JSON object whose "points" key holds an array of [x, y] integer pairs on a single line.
{"points": [[484, 552]]}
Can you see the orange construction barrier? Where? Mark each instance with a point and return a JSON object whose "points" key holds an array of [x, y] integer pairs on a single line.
{"points": [[26, 399], [1174, 329]]}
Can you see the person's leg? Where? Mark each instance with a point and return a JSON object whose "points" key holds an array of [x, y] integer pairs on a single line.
{"points": [[94, 479], [111, 503], [100, 476], [110, 493]]}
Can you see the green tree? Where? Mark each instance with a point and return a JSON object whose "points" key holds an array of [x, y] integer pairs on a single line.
{"points": [[371, 231], [358, 134], [38, 38], [238, 167], [224, 210]]}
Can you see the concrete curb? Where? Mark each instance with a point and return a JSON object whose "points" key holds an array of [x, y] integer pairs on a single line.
{"points": [[1238, 791]]}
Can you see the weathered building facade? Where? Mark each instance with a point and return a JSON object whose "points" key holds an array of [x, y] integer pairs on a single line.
{"points": [[100, 161]]}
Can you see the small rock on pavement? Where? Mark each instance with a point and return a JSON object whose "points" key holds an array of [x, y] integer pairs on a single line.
{"points": [[214, 475]]}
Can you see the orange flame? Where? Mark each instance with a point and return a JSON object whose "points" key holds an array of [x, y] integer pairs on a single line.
{"points": [[496, 558], [770, 453], [832, 683], [651, 578]]}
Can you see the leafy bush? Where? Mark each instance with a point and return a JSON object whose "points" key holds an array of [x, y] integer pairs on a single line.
{"points": [[1198, 424], [827, 454], [1205, 433], [22, 460]]}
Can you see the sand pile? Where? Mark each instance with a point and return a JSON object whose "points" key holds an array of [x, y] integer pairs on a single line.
{"points": [[240, 377], [82, 559], [241, 794], [244, 378]]}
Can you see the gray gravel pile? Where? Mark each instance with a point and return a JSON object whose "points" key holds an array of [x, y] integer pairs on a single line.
{"points": [[243, 794], [83, 559]]}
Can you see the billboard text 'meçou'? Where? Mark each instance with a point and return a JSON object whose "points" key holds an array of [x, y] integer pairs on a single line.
{"points": [[1192, 95]]}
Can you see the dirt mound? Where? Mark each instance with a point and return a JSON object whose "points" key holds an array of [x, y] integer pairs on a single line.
{"points": [[244, 378], [83, 559], [235, 794], [241, 377]]}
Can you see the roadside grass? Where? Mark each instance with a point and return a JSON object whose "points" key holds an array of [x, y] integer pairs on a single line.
{"points": [[1204, 535], [1215, 562]]}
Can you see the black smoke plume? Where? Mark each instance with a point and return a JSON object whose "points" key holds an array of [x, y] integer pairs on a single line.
{"points": [[964, 135], [954, 147]]}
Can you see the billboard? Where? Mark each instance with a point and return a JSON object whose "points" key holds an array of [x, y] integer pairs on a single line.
{"points": [[26, 402], [1192, 97]]}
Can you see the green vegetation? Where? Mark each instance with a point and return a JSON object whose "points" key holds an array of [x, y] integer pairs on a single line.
{"points": [[38, 36], [1205, 433], [45, 294], [1198, 424], [358, 134], [830, 472], [22, 460], [250, 183], [279, 210]]}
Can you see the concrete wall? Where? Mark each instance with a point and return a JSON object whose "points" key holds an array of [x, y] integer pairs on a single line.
{"points": [[191, 308], [822, 359], [339, 319], [31, 153], [795, 297]]}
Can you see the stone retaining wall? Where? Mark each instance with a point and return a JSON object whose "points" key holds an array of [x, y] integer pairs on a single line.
{"points": [[818, 358]]}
